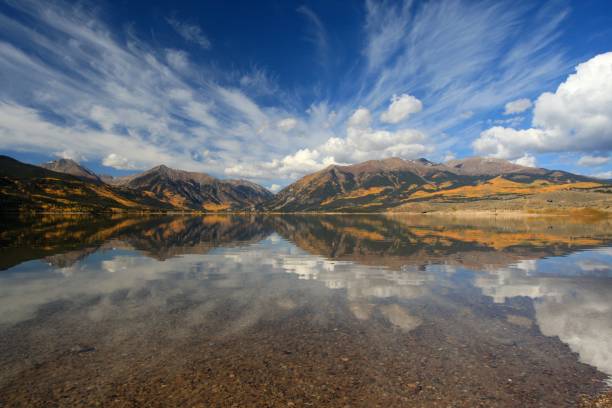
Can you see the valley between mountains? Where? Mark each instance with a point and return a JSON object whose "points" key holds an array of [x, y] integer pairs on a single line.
{"points": [[389, 185]]}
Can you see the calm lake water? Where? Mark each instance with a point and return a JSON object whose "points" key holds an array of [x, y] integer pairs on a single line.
{"points": [[346, 310]]}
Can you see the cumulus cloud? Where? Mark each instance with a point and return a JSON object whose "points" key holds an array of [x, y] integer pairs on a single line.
{"points": [[526, 160], [593, 161], [190, 32], [291, 166], [366, 143], [141, 100], [400, 108], [71, 155], [509, 143], [118, 162], [287, 124], [518, 106], [304, 160], [275, 188], [576, 117], [361, 142], [361, 118]]}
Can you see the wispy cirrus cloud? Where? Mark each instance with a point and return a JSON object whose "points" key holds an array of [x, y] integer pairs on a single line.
{"points": [[317, 33], [430, 77], [112, 98], [455, 56], [190, 32]]}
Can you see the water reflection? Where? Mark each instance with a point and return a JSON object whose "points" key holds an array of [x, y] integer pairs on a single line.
{"points": [[474, 289]]}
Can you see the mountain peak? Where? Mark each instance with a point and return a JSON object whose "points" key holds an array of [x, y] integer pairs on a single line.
{"points": [[69, 166], [424, 161], [64, 161], [192, 190], [162, 168], [490, 166]]}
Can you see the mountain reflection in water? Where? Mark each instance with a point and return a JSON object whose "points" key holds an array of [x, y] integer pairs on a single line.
{"points": [[353, 309]]}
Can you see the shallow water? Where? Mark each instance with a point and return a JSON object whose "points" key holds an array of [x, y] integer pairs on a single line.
{"points": [[304, 311]]}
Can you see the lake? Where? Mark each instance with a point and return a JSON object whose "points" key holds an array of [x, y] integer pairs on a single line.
{"points": [[304, 310]]}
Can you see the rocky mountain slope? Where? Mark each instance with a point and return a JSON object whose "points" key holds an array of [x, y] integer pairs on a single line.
{"points": [[195, 191], [391, 184], [71, 167], [64, 185], [378, 185], [24, 187]]}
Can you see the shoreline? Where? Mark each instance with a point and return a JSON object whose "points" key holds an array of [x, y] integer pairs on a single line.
{"points": [[559, 212]]}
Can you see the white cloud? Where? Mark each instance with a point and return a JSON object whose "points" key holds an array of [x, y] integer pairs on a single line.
{"points": [[386, 27], [361, 118], [24, 129], [514, 121], [291, 166], [364, 143], [361, 143], [577, 117], [177, 59], [275, 188], [449, 156], [459, 55], [518, 106], [153, 105], [593, 161], [190, 32], [118, 162], [400, 108], [183, 95], [71, 155], [581, 108], [260, 81], [141, 103], [606, 175], [508, 143], [303, 161], [526, 160], [287, 124]]}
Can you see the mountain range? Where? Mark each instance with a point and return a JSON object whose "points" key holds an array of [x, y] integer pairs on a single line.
{"points": [[64, 185], [378, 185], [399, 184]]}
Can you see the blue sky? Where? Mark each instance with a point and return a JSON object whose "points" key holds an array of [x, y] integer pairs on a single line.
{"points": [[270, 91]]}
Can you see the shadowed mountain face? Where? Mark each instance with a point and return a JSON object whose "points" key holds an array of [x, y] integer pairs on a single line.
{"points": [[64, 185], [195, 191], [71, 167], [392, 183], [373, 186], [24, 187]]}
